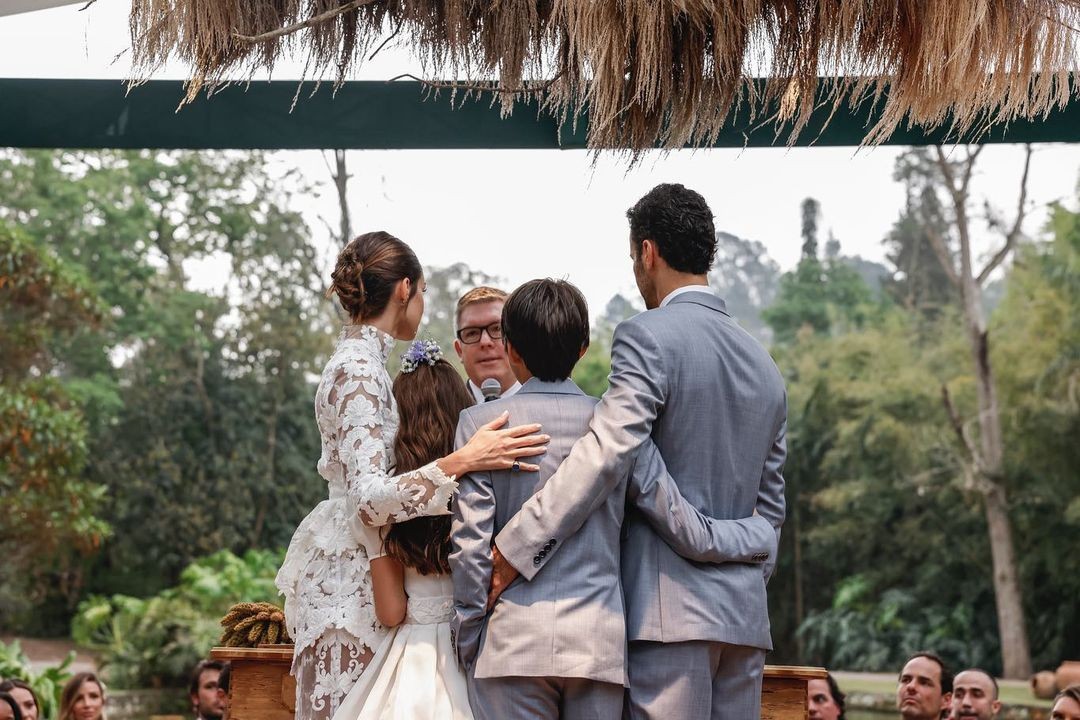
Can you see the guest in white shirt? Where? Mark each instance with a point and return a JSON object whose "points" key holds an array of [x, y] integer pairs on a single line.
{"points": [[479, 343]]}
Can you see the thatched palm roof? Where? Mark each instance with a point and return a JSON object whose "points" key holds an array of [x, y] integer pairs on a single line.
{"points": [[665, 72]]}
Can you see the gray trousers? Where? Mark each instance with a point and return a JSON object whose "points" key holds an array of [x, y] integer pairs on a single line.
{"points": [[537, 698], [693, 681]]}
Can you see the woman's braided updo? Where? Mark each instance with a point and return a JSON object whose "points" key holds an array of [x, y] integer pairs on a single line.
{"points": [[367, 270]]}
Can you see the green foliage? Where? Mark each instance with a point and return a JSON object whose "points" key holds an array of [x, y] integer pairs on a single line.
{"points": [[188, 411], [47, 684], [820, 297], [893, 554], [155, 642], [52, 509]]}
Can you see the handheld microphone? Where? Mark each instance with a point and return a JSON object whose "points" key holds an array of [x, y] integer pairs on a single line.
{"points": [[491, 389]]}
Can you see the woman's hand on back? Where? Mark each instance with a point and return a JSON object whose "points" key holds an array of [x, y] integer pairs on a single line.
{"points": [[492, 448]]}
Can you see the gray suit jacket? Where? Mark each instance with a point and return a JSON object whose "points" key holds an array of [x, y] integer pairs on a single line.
{"points": [[712, 400], [570, 623]]}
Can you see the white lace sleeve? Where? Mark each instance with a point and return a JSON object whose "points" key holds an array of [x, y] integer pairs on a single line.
{"points": [[363, 404]]}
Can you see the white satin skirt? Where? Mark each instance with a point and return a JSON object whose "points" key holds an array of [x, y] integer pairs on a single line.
{"points": [[414, 676]]}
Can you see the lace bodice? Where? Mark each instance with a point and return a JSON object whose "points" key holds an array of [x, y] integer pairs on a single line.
{"points": [[325, 577], [431, 598]]}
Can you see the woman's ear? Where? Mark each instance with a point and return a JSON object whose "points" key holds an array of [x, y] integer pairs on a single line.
{"points": [[404, 290]]}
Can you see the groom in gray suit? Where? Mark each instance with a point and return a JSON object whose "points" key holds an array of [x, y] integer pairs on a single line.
{"points": [[556, 647], [709, 396]]}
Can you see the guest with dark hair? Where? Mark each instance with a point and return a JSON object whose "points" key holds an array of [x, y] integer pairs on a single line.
{"points": [[83, 698], [9, 708], [975, 696], [1067, 704], [924, 689], [202, 691], [24, 695], [824, 699]]}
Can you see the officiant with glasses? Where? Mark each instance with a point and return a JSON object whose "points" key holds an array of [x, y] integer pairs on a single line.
{"points": [[479, 345]]}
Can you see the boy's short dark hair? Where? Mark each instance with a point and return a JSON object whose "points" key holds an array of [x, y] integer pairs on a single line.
{"points": [[680, 222], [547, 322]]}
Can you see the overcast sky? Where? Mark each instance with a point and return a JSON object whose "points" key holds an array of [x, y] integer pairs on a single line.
{"points": [[524, 214]]}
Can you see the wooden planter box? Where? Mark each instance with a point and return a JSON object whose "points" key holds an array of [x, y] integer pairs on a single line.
{"points": [[261, 688]]}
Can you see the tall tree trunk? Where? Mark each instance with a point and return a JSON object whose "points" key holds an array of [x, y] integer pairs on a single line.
{"points": [[341, 182], [271, 457], [1012, 628], [988, 458]]}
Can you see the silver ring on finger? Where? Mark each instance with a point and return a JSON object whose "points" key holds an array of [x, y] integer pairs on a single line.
{"points": [[516, 466]]}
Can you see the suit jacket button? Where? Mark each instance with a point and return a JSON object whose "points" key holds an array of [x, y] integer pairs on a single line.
{"points": [[543, 553], [536, 560], [551, 542]]}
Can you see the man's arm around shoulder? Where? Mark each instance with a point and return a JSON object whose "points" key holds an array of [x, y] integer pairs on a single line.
{"points": [[622, 421]]}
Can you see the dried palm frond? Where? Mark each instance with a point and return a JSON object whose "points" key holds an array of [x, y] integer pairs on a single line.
{"points": [[662, 72], [253, 624]]}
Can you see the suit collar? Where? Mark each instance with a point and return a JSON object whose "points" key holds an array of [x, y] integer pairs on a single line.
{"points": [[558, 387], [704, 297]]}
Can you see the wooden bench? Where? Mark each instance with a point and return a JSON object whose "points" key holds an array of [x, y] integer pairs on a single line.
{"points": [[261, 688]]}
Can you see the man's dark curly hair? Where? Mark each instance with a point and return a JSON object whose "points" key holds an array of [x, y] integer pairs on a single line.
{"points": [[679, 221]]}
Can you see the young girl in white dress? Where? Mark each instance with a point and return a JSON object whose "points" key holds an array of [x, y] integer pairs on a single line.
{"points": [[414, 674]]}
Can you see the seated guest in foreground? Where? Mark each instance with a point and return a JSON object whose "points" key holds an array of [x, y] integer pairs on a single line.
{"points": [[203, 690], [478, 341], [9, 708], [83, 698], [975, 696], [24, 696], [556, 647], [824, 699], [925, 687], [1067, 704]]}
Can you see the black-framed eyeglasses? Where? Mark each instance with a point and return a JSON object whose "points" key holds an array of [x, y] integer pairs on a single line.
{"points": [[471, 335]]}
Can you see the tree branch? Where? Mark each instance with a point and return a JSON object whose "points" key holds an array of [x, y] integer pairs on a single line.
{"points": [[958, 428], [1014, 232], [311, 21], [937, 242]]}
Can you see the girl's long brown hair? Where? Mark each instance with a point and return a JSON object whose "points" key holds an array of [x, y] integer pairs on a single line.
{"points": [[71, 694], [429, 399]]}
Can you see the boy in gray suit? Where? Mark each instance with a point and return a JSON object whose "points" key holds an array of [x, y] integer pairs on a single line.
{"points": [[556, 647]]}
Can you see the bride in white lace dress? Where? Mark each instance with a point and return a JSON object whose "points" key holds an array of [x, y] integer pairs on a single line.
{"points": [[326, 574], [415, 674]]}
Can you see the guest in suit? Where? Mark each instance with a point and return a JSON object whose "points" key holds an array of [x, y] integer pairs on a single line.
{"points": [[685, 375], [556, 647], [924, 687], [478, 341]]}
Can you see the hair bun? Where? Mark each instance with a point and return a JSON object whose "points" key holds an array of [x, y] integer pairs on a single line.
{"points": [[367, 270]]}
